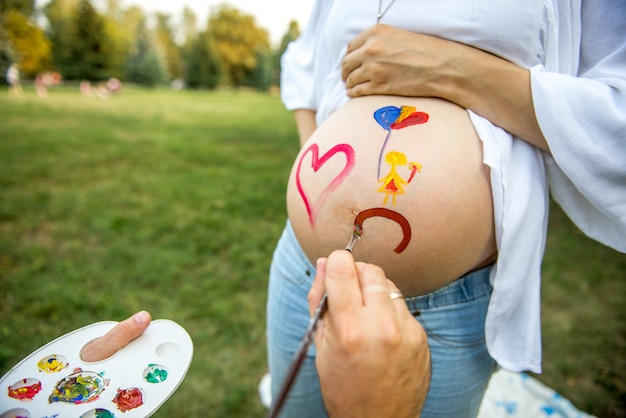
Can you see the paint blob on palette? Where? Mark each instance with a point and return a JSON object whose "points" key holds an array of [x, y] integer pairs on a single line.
{"points": [[54, 382]]}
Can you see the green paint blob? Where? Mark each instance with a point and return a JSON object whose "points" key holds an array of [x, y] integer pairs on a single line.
{"points": [[155, 373]]}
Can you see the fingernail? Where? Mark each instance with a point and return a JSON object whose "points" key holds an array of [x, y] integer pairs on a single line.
{"points": [[141, 318], [320, 263]]}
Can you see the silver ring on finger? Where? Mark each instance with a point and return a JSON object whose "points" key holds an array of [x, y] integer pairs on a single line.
{"points": [[395, 295]]}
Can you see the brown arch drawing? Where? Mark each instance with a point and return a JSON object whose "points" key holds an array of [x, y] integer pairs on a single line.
{"points": [[389, 214]]}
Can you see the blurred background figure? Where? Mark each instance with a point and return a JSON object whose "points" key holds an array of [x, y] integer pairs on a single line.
{"points": [[102, 89], [114, 85], [46, 80], [13, 78], [85, 88], [177, 84], [40, 86], [111, 87]]}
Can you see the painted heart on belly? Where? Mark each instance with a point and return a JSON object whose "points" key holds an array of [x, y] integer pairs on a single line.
{"points": [[313, 206]]}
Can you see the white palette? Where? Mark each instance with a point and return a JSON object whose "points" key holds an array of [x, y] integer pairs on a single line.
{"points": [[53, 382]]}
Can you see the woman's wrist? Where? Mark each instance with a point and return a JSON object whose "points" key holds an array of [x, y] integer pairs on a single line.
{"points": [[493, 88], [305, 123]]}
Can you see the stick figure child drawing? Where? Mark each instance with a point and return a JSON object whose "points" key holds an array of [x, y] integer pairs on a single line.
{"points": [[393, 118], [393, 183]]}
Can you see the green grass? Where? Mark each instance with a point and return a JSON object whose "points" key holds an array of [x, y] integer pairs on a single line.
{"points": [[584, 320], [157, 200], [173, 202]]}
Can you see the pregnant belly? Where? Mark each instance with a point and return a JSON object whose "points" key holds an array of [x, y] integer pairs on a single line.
{"points": [[409, 172]]}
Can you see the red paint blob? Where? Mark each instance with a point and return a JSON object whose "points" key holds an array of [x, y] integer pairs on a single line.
{"points": [[415, 118], [25, 389], [127, 399]]}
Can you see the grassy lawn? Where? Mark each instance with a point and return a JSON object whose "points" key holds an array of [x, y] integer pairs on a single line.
{"points": [[173, 202]]}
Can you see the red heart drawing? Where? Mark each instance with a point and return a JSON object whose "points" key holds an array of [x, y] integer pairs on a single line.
{"points": [[312, 208]]}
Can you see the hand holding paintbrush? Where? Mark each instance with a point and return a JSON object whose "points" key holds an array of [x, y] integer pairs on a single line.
{"points": [[372, 355]]}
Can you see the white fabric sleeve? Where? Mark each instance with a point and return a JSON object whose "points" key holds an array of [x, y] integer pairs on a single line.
{"points": [[297, 77], [583, 118], [520, 204]]}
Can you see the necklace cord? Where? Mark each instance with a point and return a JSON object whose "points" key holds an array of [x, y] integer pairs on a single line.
{"points": [[380, 6]]}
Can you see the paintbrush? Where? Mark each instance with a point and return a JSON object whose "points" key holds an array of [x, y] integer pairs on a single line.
{"points": [[306, 341]]}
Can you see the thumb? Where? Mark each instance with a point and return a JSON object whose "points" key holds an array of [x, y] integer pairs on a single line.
{"points": [[117, 338]]}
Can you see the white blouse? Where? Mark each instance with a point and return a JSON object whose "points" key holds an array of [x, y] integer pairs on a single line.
{"points": [[576, 52]]}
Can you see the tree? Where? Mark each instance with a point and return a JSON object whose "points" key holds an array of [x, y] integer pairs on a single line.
{"points": [[293, 32], [25, 7], [171, 50], [132, 24], [203, 69], [59, 14], [118, 40], [24, 43], [150, 69], [91, 52], [261, 76], [190, 22], [114, 10], [85, 43], [146, 63], [238, 41]]}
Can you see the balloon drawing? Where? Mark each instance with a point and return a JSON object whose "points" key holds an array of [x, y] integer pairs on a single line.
{"points": [[394, 118]]}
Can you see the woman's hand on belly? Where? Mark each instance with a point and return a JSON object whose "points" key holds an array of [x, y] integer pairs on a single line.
{"points": [[412, 178], [387, 60]]}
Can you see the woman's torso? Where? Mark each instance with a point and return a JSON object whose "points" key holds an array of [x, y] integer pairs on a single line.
{"points": [[425, 200], [514, 31], [517, 32]]}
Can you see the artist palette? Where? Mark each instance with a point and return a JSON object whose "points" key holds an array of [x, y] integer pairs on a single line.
{"points": [[53, 382]]}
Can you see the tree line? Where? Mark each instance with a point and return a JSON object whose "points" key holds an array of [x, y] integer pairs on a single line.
{"points": [[81, 42]]}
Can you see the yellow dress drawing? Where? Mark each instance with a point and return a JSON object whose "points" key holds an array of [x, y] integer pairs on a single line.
{"points": [[393, 183]]}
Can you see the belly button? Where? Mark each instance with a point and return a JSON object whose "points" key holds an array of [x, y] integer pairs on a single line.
{"points": [[347, 213]]}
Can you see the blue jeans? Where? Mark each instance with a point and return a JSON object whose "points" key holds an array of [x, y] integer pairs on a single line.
{"points": [[453, 317]]}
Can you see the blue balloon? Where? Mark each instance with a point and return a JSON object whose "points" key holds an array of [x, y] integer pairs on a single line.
{"points": [[386, 116]]}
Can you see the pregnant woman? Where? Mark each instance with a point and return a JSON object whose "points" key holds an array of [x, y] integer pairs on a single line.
{"points": [[420, 182], [450, 205]]}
